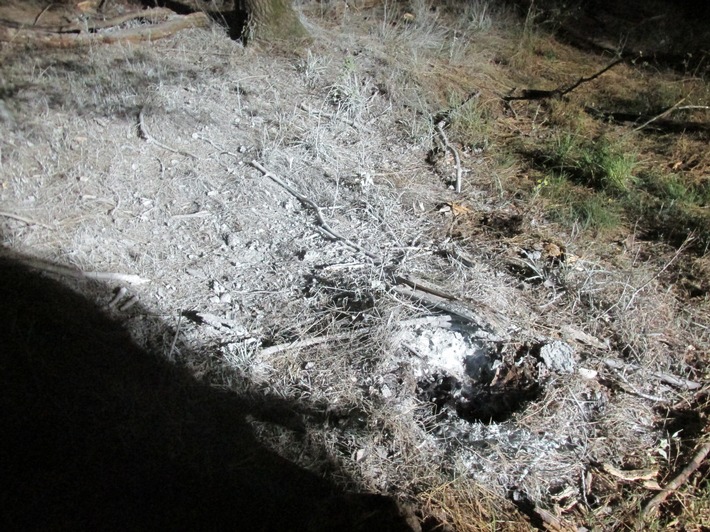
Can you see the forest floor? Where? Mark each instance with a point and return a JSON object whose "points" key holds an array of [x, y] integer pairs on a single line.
{"points": [[529, 352]]}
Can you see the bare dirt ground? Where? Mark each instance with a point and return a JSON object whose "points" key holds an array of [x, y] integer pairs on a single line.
{"points": [[272, 221]]}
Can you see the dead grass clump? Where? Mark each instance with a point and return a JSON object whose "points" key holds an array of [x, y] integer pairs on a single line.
{"points": [[463, 505]]}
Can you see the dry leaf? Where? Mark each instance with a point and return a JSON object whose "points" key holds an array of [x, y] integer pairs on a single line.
{"points": [[652, 485], [571, 333], [631, 474], [87, 5], [553, 250], [458, 209]]}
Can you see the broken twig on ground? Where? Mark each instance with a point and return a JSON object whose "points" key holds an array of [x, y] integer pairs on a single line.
{"points": [[309, 203], [41, 265], [150, 138], [148, 32], [663, 377], [19, 218], [677, 482], [308, 342], [535, 94], [661, 115], [452, 149]]}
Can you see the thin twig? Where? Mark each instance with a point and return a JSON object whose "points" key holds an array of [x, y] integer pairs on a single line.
{"points": [[663, 377], [689, 107], [150, 138], [423, 286], [675, 256], [309, 203], [534, 94], [331, 115], [678, 481], [199, 214], [664, 113], [590, 78], [19, 218], [42, 13], [447, 144], [308, 342], [629, 388]]}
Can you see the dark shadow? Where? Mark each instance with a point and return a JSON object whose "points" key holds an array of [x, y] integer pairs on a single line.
{"points": [[100, 435], [668, 33], [233, 14]]}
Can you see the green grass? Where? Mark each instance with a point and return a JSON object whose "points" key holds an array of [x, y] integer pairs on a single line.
{"points": [[471, 124], [671, 187], [596, 163], [568, 203]]}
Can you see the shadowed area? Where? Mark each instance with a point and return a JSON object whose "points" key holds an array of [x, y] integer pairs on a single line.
{"points": [[100, 435]]}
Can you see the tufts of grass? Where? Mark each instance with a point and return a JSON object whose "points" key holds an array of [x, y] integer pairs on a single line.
{"points": [[352, 93], [598, 164], [571, 204], [477, 16], [471, 123], [463, 505], [312, 68], [671, 187]]}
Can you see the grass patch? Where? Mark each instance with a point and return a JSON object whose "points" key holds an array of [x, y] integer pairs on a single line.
{"points": [[598, 164], [671, 187], [471, 123], [568, 204]]}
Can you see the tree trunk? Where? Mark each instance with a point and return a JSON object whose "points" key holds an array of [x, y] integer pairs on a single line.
{"points": [[272, 20]]}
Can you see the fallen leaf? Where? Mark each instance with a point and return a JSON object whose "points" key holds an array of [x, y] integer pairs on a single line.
{"points": [[631, 474], [459, 209], [87, 5]]}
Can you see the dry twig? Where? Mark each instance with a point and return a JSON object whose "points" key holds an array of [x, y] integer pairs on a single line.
{"points": [[330, 232], [148, 32], [452, 149], [150, 138], [38, 264], [663, 377], [28, 221], [308, 342], [678, 481], [534, 94], [661, 115]]}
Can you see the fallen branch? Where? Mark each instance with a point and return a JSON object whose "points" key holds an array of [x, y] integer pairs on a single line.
{"points": [[535, 94], [41, 265], [424, 286], [329, 231], [331, 115], [664, 377], [445, 140], [144, 133], [631, 475], [456, 308], [149, 32], [151, 15], [678, 481], [661, 115], [308, 342], [657, 123], [19, 218]]}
